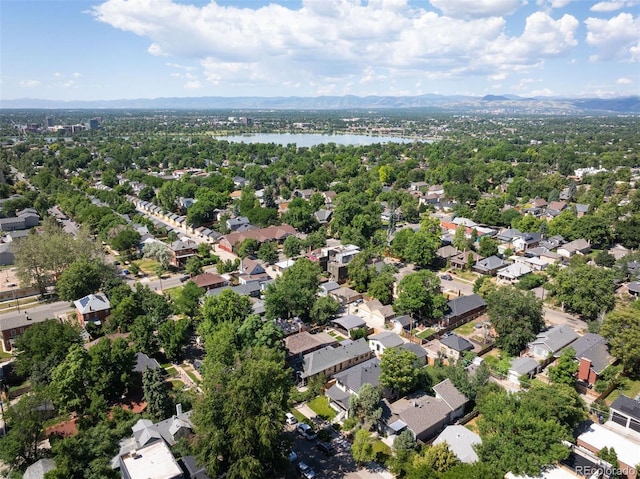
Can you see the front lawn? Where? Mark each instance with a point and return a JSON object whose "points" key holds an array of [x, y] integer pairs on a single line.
{"points": [[147, 266], [320, 405], [298, 415], [382, 451]]}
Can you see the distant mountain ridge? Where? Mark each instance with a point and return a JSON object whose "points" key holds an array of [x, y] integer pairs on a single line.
{"points": [[488, 103]]}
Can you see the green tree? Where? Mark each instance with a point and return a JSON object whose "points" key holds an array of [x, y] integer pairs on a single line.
{"points": [[255, 332], [159, 252], [155, 393], [610, 455], [228, 306], [362, 447], [268, 252], [324, 309], [143, 335], [292, 246], [125, 241], [173, 337], [81, 278], [193, 266], [516, 316], [188, 301], [460, 238], [365, 406], [295, 292], [381, 287], [241, 414], [399, 370], [248, 247], [24, 422], [438, 457], [487, 246], [564, 371], [422, 246], [70, 381], [360, 272], [43, 346], [621, 328], [110, 370], [419, 293], [585, 290]]}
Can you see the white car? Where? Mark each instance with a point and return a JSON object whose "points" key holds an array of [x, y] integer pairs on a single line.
{"points": [[290, 419], [306, 471], [306, 431]]}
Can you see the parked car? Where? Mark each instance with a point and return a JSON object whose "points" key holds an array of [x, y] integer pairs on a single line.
{"points": [[306, 431], [446, 277], [327, 448], [291, 419], [184, 278], [306, 471]]}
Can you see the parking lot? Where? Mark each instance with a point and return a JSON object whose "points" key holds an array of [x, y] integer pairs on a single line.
{"points": [[338, 465]]}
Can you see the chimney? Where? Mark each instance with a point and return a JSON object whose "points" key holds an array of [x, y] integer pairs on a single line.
{"points": [[178, 409]]}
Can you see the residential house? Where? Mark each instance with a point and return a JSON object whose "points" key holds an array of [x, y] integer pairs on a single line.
{"points": [[208, 281], [453, 346], [38, 469], [539, 202], [462, 260], [349, 382], [444, 253], [489, 266], [419, 351], [240, 182], [323, 216], [283, 265], [348, 323], [592, 354], [234, 224], [145, 362], [338, 258], [536, 264], [14, 326], [552, 242], [252, 270], [418, 185], [521, 367], [581, 209], [634, 288], [611, 435], [375, 313], [464, 308], [401, 323], [92, 308], [526, 240], [555, 208], [461, 442], [380, 342], [262, 235], [423, 415], [306, 193], [252, 289], [508, 235], [329, 197], [579, 246], [7, 256], [181, 251], [328, 287], [513, 272], [345, 295], [549, 343], [299, 344], [329, 361], [625, 411]]}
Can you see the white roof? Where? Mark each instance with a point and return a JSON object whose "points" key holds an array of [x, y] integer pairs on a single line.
{"points": [[92, 303], [154, 460], [600, 436], [460, 441]]}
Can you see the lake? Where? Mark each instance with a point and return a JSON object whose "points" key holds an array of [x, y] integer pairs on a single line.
{"points": [[312, 139]]}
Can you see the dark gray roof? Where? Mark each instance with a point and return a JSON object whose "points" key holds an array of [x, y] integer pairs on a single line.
{"points": [[145, 362], [416, 349], [634, 287], [463, 305], [524, 365], [508, 234], [367, 372], [242, 289], [490, 263], [457, 343], [404, 320], [557, 337], [628, 406], [195, 470], [144, 430], [594, 348]]}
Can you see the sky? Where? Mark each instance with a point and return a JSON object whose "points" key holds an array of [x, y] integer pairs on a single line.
{"points": [[127, 49]]}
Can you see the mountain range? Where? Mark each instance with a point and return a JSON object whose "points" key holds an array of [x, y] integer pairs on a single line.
{"points": [[443, 103]]}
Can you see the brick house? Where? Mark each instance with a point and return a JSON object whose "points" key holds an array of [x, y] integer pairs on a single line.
{"points": [[92, 308]]}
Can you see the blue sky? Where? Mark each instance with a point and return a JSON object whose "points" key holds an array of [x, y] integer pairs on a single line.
{"points": [[122, 49]]}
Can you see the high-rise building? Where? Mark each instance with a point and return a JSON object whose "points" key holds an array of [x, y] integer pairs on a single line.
{"points": [[48, 122]]}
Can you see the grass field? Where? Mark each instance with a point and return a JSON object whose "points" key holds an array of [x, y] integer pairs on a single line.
{"points": [[192, 376], [338, 337], [177, 384], [171, 371], [466, 328], [381, 451], [320, 406], [425, 333], [629, 388], [147, 266], [298, 415]]}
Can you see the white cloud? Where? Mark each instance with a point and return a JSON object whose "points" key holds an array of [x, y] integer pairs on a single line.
{"points": [[193, 85], [624, 81], [615, 38], [181, 67], [58, 75], [77, 74], [330, 45], [69, 84], [29, 83], [477, 8], [613, 5], [542, 92]]}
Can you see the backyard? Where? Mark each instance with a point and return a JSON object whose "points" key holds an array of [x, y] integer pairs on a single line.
{"points": [[629, 388], [320, 405], [426, 333]]}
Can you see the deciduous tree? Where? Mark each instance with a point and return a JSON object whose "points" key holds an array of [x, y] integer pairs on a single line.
{"points": [[399, 370]]}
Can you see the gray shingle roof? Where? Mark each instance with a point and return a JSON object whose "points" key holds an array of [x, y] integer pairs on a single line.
{"points": [[523, 365], [557, 337], [367, 372], [464, 304], [318, 361], [457, 343], [387, 339], [350, 322], [461, 441], [594, 348], [38, 469], [628, 406], [446, 391], [490, 263]]}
